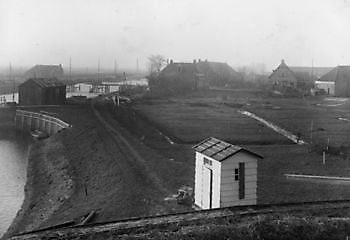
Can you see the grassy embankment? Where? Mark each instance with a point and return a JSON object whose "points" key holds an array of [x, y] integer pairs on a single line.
{"points": [[85, 168], [190, 119]]}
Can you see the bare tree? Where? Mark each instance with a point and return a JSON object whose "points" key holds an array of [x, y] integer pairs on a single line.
{"points": [[156, 64]]}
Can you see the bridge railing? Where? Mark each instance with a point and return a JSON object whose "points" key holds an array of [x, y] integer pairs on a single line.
{"points": [[34, 120]]}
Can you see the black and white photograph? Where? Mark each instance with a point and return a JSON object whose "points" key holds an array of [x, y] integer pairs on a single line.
{"points": [[175, 119]]}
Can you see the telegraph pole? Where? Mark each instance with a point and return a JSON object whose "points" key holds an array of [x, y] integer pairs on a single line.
{"points": [[13, 80], [115, 68], [311, 129], [98, 71], [70, 69], [137, 65]]}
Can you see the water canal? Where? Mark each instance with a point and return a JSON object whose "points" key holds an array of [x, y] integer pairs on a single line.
{"points": [[14, 148]]}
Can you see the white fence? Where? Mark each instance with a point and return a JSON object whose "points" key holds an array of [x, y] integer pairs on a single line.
{"points": [[32, 120]]}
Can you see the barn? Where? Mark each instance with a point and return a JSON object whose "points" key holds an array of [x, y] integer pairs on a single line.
{"points": [[339, 77], [42, 91], [225, 174]]}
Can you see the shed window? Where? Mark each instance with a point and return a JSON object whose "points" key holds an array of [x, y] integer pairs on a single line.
{"points": [[207, 161], [236, 174]]}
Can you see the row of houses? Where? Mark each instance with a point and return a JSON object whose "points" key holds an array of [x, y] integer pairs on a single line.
{"points": [[331, 81]]}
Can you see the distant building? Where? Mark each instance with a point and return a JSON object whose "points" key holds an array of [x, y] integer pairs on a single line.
{"points": [[45, 71], [179, 76], [284, 78], [110, 87], [326, 86], [225, 175], [42, 91], [340, 76]]}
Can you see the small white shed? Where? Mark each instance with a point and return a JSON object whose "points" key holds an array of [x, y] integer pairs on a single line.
{"points": [[225, 175], [327, 86]]}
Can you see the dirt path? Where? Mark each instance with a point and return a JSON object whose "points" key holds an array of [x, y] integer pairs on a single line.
{"points": [[115, 134], [274, 127]]}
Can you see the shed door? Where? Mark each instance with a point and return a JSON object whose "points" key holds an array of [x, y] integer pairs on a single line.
{"points": [[241, 180], [207, 188]]}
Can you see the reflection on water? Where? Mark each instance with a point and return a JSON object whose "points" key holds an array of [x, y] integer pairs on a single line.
{"points": [[13, 165]]}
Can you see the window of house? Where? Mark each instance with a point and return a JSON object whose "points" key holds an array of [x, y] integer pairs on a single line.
{"points": [[236, 174], [207, 161]]}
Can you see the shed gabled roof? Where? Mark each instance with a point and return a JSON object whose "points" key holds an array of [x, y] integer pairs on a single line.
{"points": [[219, 150], [45, 82], [45, 71]]}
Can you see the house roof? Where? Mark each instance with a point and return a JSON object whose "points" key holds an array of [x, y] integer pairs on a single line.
{"points": [[204, 67], [317, 71], [219, 150], [336, 74], [45, 82], [298, 72], [45, 71]]}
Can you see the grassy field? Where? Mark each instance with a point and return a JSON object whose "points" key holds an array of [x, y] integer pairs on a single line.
{"points": [[192, 120], [321, 116], [188, 120]]}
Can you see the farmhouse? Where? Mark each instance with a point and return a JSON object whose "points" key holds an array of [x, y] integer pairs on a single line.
{"points": [[42, 91], [182, 76], [284, 78], [45, 71], [225, 175], [340, 77]]}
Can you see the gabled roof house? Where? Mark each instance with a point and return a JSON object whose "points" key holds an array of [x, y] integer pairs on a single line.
{"points": [[284, 78]]}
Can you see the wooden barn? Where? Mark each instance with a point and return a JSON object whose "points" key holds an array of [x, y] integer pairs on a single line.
{"points": [[41, 91], [225, 175]]}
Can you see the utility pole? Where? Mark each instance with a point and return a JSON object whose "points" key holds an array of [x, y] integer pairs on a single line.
{"points": [[98, 71], [115, 68], [312, 69], [70, 69], [14, 85], [311, 129], [137, 65]]}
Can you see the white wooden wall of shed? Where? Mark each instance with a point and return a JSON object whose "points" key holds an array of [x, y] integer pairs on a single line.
{"points": [[199, 175], [328, 87], [229, 192]]}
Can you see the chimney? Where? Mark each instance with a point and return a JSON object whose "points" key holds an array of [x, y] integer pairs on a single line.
{"points": [[194, 61], [282, 61], [171, 61]]}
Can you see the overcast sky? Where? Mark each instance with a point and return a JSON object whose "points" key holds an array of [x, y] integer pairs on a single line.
{"points": [[239, 32]]}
